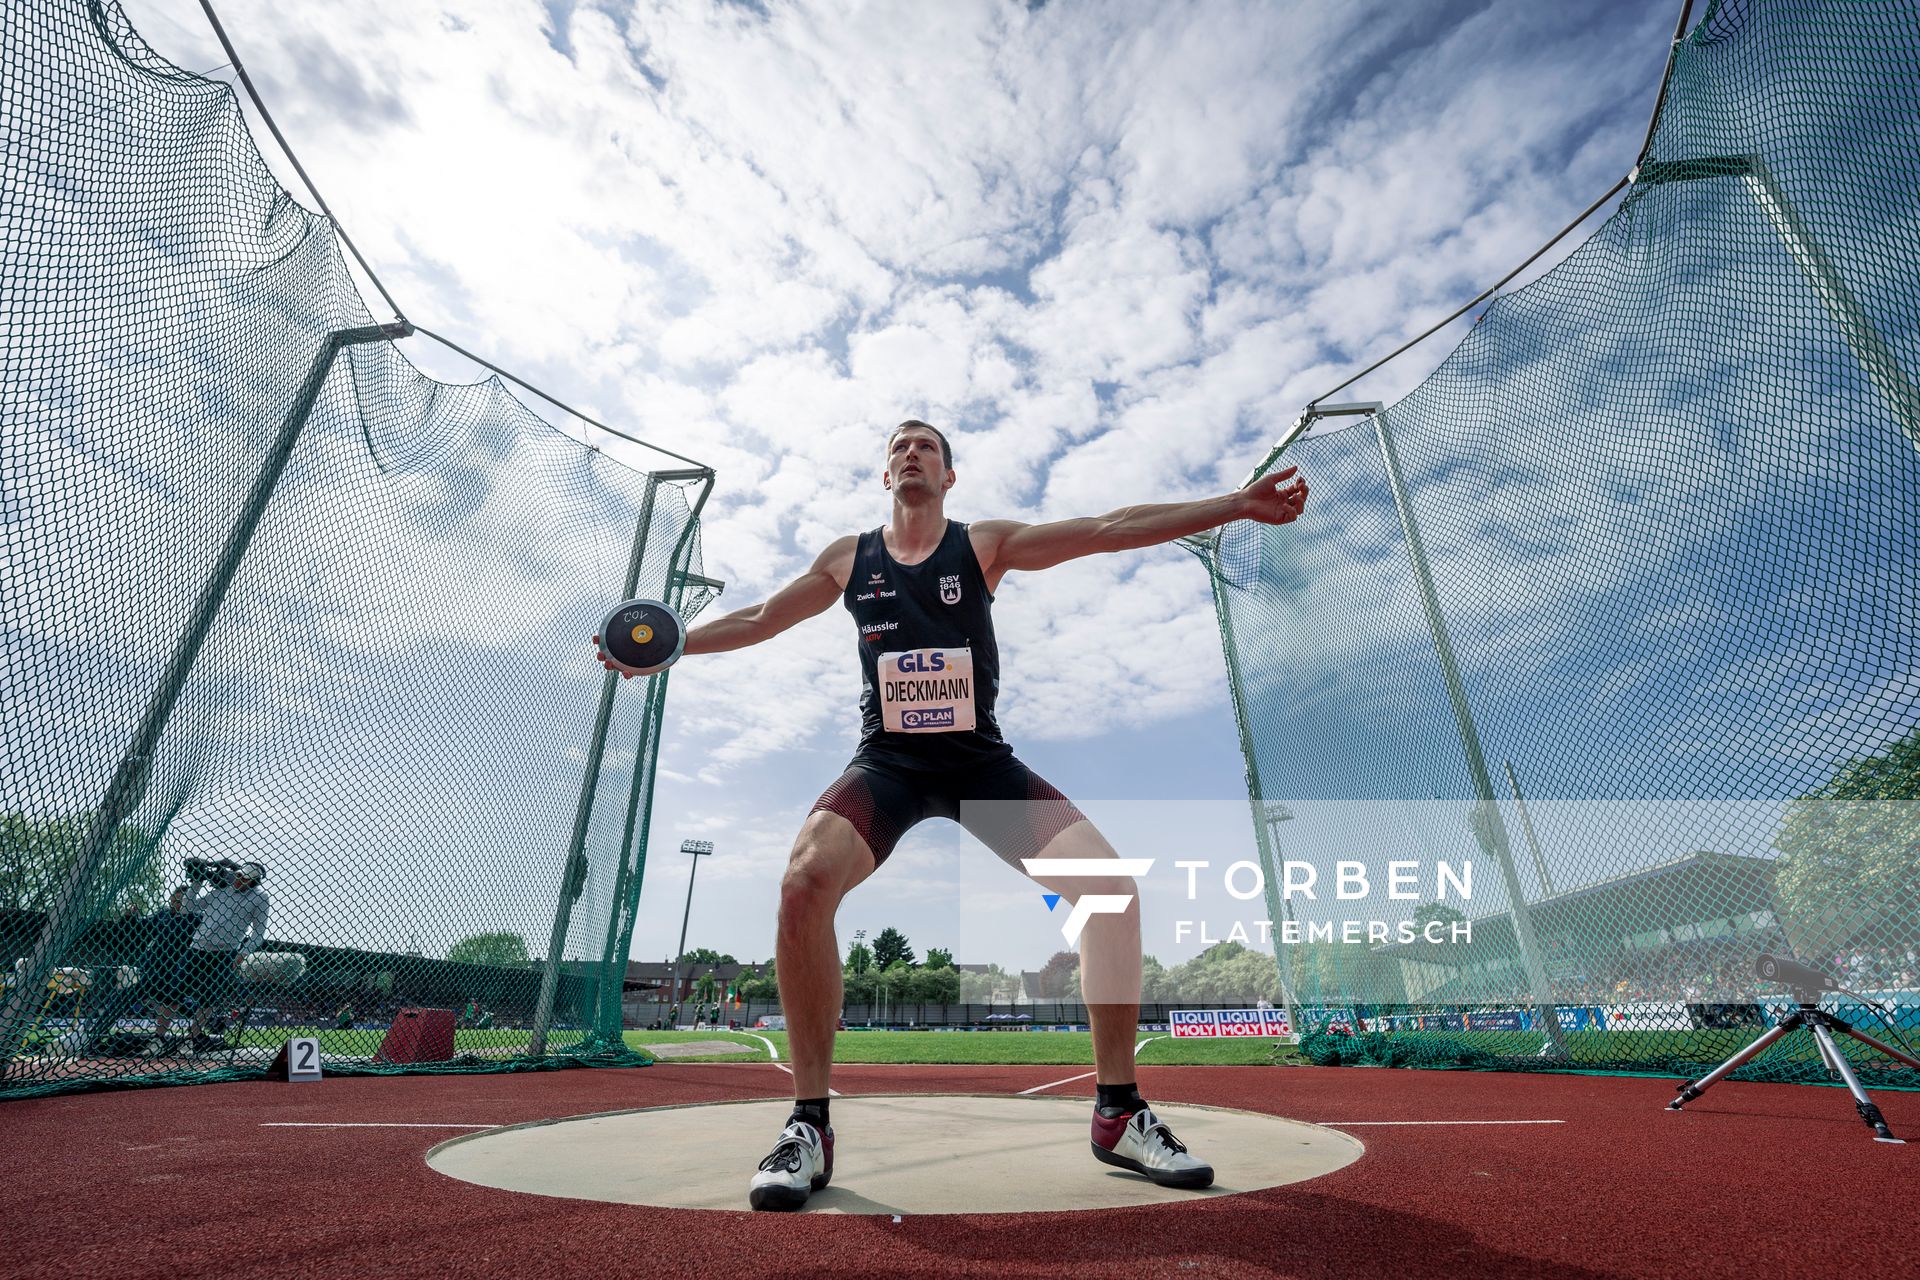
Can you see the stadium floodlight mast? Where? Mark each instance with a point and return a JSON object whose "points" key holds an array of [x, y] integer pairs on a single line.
{"points": [[1533, 837], [1876, 359], [699, 849]]}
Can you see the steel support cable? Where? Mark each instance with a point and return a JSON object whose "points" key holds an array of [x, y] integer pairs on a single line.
{"points": [[1492, 289], [259, 104], [445, 341], [1653, 121]]}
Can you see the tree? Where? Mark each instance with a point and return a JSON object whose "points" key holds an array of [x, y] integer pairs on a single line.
{"points": [[890, 946], [932, 986], [1058, 975], [763, 986], [995, 985], [707, 955], [1225, 973], [1153, 980], [1850, 853], [859, 959], [498, 950], [1428, 912], [37, 853], [939, 958], [860, 986]]}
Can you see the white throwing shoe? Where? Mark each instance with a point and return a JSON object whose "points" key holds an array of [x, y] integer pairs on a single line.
{"points": [[1143, 1143], [800, 1164]]}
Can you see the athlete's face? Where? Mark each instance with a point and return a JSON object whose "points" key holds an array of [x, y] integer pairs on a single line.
{"points": [[916, 465]]}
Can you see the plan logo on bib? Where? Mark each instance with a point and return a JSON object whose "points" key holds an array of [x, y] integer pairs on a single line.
{"points": [[950, 589]]}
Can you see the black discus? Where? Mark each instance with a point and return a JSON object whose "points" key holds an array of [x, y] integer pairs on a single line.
{"points": [[641, 637]]}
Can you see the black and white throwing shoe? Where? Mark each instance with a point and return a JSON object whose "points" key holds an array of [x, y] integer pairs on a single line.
{"points": [[800, 1164], [1143, 1143]]}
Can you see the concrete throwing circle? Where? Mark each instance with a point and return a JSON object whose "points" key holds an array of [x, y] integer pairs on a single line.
{"points": [[920, 1153]]}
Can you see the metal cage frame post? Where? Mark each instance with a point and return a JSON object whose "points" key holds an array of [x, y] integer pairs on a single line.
{"points": [[1272, 814], [1876, 359], [620, 917], [1255, 799], [1489, 827], [631, 877], [135, 770], [573, 876], [1526, 827]]}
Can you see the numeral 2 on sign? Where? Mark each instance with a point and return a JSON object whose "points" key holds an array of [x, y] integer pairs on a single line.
{"points": [[303, 1058]]}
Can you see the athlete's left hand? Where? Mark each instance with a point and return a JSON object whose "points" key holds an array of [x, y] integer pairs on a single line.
{"points": [[600, 652], [1276, 498]]}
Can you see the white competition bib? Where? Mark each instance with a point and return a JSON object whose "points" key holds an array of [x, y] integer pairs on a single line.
{"points": [[926, 691]]}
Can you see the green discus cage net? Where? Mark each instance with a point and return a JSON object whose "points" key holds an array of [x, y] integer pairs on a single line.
{"points": [[272, 595], [1622, 605]]}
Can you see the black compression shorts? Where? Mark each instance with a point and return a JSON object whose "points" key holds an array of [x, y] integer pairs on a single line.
{"points": [[1005, 805]]}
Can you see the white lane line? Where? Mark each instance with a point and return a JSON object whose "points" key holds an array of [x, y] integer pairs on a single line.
{"points": [[1042, 1087], [364, 1124], [1351, 1124], [1144, 1043], [773, 1054], [831, 1093]]}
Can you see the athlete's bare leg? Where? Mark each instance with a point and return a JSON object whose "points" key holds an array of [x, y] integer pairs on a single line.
{"points": [[1109, 953], [829, 858], [1124, 1133]]}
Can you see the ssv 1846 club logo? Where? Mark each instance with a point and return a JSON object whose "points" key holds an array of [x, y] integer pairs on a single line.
{"points": [[950, 589], [1088, 904]]}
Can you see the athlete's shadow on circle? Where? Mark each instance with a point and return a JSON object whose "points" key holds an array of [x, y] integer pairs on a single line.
{"points": [[1285, 1231], [850, 1200]]}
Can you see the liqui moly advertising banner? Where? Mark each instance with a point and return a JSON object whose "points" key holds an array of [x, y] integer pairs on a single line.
{"points": [[1201, 1024]]}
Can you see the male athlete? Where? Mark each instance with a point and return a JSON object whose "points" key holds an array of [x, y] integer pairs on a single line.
{"points": [[920, 590]]}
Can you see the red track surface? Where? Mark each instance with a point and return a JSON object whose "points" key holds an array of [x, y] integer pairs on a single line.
{"points": [[187, 1182]]}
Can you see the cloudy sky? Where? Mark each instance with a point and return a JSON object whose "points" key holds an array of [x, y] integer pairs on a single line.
{"points": [[1113, 248]]}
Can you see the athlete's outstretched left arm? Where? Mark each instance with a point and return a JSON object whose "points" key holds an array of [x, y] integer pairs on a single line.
{"points": [[1006, 545]]}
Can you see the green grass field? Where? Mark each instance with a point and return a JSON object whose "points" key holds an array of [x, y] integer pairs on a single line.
{"points": [[1038, 1048], [1065, 1048], [365, 1042], [1048, 1048]]}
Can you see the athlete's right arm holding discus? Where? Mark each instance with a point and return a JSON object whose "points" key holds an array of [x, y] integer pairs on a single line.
{"points": [[813, 592]]}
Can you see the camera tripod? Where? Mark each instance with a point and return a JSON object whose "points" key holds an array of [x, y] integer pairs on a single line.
{"points": [[1822, 1025]]}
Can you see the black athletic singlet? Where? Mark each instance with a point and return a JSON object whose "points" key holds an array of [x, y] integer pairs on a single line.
{"points": [[919, 617]]}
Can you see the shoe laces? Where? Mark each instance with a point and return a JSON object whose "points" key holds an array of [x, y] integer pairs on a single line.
{"points": [[786, 1153], [1156, 1127]]}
